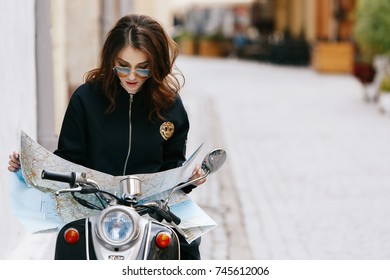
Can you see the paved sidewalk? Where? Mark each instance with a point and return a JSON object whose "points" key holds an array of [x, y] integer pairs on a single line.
{"points": [[307, 175]]}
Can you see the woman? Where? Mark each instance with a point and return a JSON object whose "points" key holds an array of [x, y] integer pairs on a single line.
{"points": [[128, 117]]}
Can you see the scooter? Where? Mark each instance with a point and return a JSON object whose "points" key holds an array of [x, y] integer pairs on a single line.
{"points": [[126, 228]]}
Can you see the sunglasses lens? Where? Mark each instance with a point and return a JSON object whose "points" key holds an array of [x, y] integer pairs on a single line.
{"points": [[121, 71], [142, 73]]}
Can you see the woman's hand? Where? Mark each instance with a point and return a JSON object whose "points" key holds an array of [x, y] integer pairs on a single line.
{"points": [[14, 163], [197, 173]]}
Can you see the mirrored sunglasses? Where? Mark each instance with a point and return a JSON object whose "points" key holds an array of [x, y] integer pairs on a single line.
{"points": [[123, 72]]}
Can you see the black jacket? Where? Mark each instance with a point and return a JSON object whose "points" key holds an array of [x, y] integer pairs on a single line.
{"points": [[91, 137]]}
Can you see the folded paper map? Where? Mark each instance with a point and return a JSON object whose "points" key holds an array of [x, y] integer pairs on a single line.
{"points": [[36, 205]]}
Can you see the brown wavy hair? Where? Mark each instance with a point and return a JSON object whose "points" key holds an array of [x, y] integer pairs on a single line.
{"points": [[147, 35]]}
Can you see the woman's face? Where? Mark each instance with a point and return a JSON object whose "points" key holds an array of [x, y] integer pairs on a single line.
{"points": [[132, 68]]}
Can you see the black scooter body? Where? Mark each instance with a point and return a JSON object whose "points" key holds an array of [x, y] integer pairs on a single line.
{"points": [[78, 251]]}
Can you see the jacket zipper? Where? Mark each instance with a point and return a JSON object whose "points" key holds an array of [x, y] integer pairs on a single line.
{"points": [[129, 150]]}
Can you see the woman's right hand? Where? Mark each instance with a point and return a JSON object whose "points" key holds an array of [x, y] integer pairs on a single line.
{"points": [[14, 163]]}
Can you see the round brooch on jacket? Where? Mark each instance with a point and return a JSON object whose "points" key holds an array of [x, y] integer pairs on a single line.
{"points": [[166, 130]]}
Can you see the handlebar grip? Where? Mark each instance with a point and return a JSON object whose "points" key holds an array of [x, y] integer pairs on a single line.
{"points": [[164, 215], [175, 218], [60, 177], [142, 211]]}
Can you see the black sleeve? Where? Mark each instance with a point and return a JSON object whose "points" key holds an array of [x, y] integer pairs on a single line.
{"points": [[174, 153], [72, 142]]}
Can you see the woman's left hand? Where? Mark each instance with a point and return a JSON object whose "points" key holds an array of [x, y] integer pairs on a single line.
{"points": [[197, 173]]}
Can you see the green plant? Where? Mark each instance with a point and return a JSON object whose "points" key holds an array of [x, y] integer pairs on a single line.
{"points": [[372, 25], [385, 84], [214, 37], [183, 36]]}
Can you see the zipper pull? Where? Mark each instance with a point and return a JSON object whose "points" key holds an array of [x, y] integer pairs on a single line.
{"points": [[131, 100]]}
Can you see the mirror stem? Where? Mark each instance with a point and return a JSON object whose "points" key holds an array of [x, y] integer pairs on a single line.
{"points": [[184, 185]]}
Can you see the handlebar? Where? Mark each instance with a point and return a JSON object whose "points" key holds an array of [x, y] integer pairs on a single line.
{"points": [[175, 219], [60, 177], [157, 209]]}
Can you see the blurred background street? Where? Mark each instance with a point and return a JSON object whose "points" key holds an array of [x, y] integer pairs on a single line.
{"points": [[295, 91], [307, 171]]}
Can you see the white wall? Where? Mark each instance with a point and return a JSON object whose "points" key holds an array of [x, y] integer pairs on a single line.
{"points": [[18, 100], [58, 19], [83, 39]]}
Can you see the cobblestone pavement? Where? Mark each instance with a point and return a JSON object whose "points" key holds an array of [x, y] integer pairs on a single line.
{"points": [[307, 175]]}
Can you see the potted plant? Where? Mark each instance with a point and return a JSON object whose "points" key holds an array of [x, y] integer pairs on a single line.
{"points": [[363, 67], [372, 27], [384, 94], [333, 57], [212, 45], [186, 42], [364, 71], [371, 33]]}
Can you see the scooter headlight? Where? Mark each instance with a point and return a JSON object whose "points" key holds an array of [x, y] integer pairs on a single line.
{"points": [[117, 227]]}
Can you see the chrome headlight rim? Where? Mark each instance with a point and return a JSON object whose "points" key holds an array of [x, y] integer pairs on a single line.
{"points": [[118, 210]]}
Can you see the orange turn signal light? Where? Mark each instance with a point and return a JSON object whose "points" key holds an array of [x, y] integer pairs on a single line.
{"points": [[71, 236], [163, 239]]}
